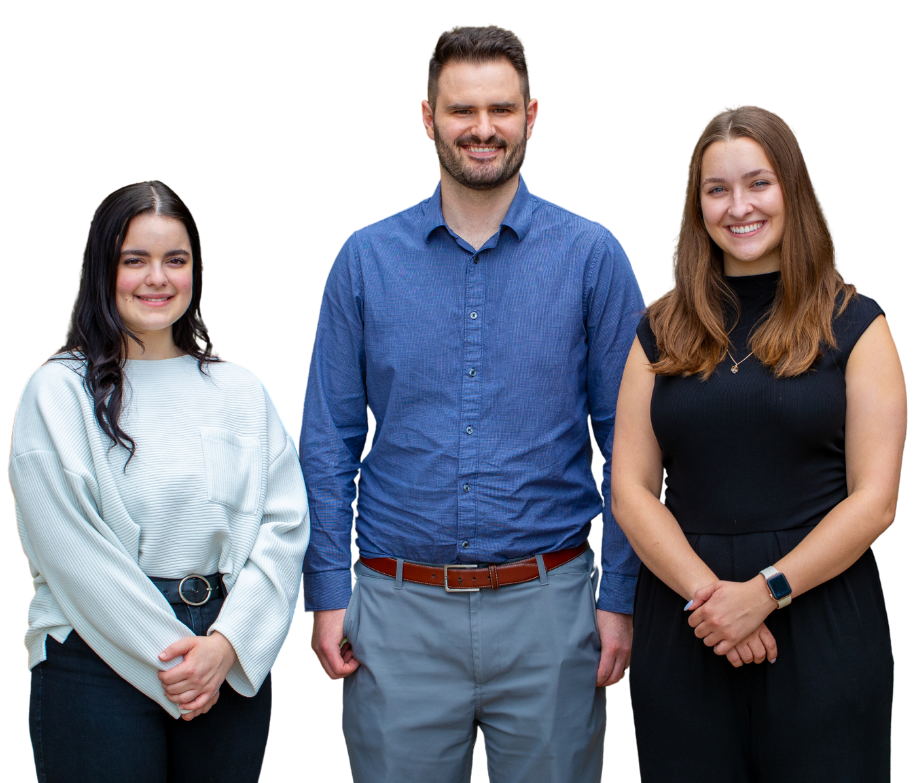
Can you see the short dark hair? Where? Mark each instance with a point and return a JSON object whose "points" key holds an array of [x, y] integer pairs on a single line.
{"points": [[478, 45], [98, 335]]}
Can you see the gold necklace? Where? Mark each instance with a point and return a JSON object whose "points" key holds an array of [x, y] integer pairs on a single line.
{"points": [[736, 363]]}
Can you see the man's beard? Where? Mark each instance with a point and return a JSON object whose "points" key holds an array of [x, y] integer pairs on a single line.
{"points": [[487, 176]]}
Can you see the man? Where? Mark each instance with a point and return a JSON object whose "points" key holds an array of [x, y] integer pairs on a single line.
{"points": [[482, 327]]}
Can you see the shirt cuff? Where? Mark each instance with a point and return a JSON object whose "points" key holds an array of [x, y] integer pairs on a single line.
{"points": [[325, 590], [617, 593]]}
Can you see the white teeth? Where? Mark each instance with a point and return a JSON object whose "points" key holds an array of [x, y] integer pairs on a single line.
{"points": [[482, 149], [744, 229]]}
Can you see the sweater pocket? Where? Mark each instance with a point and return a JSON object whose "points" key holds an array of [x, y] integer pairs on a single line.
{"points": [[233, 469]]}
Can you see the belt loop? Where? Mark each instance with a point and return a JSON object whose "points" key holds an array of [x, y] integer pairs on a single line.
{"points": [[542, 569], [398, 580]]}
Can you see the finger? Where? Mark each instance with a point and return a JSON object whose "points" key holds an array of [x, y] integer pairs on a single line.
{"points": [[181, 647], [721, 647], [744, 651], [734, 658], [334, 664], [184, 697], [702, 595], [198, 703], [756, 648], [209, 705], [768, 641], [190, 715]]}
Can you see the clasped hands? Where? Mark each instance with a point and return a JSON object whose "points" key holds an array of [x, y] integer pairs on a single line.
{"points": [[194, 683], [730, 618]]}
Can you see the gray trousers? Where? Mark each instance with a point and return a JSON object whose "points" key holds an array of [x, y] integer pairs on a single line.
{"points": [[520, 662]]}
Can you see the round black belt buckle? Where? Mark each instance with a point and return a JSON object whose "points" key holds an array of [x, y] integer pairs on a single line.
{"points": [[195, 603]]}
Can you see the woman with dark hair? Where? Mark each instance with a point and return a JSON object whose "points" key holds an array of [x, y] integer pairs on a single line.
{"points": [[162, 509], [772, 395]]}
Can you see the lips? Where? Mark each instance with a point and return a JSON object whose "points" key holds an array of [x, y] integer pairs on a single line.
{"points": [[155, 301]]}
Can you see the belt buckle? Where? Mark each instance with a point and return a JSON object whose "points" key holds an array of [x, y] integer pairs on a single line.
{"points": [[460, 589], [205, 581]]}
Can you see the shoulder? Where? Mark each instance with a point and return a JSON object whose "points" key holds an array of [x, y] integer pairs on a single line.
{"points": [[400, 224], [59, 379], [647, 338], [54, 405], [233, 379], [852, 321], [546, 215]]}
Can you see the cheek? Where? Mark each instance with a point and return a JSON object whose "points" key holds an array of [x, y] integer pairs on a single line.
{"points": [[126, 283]]}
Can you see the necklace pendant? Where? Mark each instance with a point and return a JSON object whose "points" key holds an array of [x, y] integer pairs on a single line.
{"points": [[734, 369]]}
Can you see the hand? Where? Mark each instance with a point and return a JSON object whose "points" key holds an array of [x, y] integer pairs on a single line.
{"points": [[203, 710], [726, 613], [207, 660], [756, 648], [615, 646], [327, 642]]}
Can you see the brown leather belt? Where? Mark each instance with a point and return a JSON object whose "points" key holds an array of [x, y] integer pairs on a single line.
{"points": [[470, 578]]}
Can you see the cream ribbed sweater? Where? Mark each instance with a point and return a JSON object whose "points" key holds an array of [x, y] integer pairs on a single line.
{"points": [[215, 486]]}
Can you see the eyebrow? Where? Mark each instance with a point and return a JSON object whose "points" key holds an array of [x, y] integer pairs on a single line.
{"points": [[748, 175], [465, 106], [145, 253]]}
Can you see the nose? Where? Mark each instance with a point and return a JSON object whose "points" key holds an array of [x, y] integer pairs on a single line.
{"points": [[483, 128], [741, 205], [155, 275]]}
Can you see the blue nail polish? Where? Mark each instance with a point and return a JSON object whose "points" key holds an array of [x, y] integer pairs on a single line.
{"points": [[686, 608], [773, 660]]}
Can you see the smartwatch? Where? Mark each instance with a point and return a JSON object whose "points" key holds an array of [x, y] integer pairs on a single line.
{"points": [[778, 586]]}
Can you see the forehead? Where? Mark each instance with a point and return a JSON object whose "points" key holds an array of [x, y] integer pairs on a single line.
{"points": [[479, 83], [734, 158], [148, 230]]}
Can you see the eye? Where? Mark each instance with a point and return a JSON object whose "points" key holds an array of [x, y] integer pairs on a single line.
{"points": [[715, 190], [132, 261], [760, 183], [178, 261]]}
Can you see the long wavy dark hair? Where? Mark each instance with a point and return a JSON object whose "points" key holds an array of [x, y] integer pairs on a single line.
{"points": [[98, 336]]}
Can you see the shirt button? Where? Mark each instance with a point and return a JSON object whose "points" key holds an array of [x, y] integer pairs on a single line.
{"points": [[472, 372], [473, 315], [465, 545], [476, 260], [469, 430], [466, 488]]}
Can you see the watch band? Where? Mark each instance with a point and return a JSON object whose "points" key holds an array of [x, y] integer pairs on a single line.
{"points": [[778, 586]]}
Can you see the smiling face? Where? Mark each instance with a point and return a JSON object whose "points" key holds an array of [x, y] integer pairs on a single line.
{"points": [[480, 124], [154, 282], [742, 206]]}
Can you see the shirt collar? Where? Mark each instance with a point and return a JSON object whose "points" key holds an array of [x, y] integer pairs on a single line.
{"points": [[518, 218]]}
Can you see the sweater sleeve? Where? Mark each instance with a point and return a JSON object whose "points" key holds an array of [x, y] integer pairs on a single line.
{"points": [[256, 614], [92, 576]]}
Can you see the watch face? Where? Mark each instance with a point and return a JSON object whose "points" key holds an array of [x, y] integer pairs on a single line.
{"points": [[779, 587]]}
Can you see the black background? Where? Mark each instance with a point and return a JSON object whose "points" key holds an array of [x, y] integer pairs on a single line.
{"points": [[280, 155]]}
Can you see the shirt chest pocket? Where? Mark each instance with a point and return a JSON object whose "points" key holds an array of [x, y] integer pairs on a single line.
{"points": [[233, 469]]}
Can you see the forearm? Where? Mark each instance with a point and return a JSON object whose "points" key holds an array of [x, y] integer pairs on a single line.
{"points": [[838, 541], [658, 540]]}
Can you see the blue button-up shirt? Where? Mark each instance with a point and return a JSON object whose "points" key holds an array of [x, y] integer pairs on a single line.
{"points": [[481, 368]]}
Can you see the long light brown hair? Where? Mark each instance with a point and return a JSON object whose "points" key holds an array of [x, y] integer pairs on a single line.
{"points": [[692, 322]]}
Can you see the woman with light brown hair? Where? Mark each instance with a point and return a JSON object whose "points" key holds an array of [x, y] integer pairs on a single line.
{"points": [[772, 395]]}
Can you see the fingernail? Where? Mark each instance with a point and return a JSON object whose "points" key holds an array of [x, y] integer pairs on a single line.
{"points": [[686, 608], [773, 660]]}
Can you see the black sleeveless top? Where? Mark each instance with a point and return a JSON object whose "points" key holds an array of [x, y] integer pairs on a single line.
{"points": [[745, 452]]}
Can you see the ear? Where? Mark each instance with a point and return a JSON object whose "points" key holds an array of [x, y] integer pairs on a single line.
{"points": [[531, 115], [428, 119]]}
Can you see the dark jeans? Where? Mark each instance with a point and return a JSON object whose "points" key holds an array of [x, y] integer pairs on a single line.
{"points": [[89, 724]]}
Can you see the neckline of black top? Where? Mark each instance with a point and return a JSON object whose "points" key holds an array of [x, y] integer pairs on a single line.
{"points": [[754, 288]]}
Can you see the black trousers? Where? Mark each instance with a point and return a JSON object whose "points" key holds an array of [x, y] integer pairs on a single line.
{"points": [[89, 724], [821, 712]]}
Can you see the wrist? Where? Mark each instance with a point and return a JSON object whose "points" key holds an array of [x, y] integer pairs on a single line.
{"points": [[228, 651], [777, 585]]}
